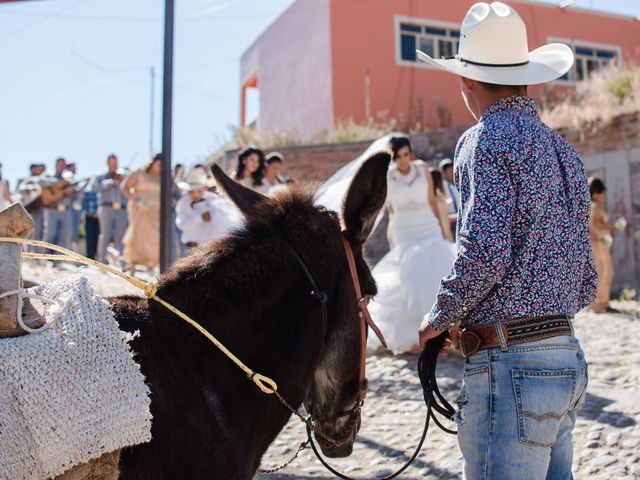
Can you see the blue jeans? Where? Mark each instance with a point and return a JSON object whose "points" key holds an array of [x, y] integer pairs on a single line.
{"points": [[518, 409]]}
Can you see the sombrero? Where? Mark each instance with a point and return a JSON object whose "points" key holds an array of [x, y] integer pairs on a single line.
{"points": [[493, 48]]}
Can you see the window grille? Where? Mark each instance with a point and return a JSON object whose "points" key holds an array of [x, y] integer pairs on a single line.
{"points": [[433, 40]]}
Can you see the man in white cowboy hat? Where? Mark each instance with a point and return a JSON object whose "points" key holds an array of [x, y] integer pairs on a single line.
{"points": [[200, 214], [524, 265]]}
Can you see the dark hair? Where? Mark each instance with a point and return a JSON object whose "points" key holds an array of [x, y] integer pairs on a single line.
{"points": [[438, 183], [274, 157], [596, 186], [156, 158], [177, 166], [259, 173], [110, 156], [494, 87], [398, 143]]}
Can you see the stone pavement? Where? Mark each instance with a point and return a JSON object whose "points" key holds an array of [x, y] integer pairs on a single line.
{"points": [[607, 435]]}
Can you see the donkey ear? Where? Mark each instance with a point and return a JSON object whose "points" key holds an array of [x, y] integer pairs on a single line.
{"points": [[243, 197], [365, 197]]}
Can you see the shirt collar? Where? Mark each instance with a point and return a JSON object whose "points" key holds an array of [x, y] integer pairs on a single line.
{"points": [[525, 104]]}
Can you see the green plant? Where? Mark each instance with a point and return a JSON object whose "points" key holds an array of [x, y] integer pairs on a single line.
{"points": [[627, 294], [621, 86]]}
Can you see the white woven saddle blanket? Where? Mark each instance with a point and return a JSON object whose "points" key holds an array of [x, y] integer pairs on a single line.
{"points": [[72, 392]]}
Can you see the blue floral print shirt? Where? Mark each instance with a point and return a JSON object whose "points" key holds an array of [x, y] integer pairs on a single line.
{"points": [[523, 229]]}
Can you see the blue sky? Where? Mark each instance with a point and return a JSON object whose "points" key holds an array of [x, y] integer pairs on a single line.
{"points": [[75, 81]]}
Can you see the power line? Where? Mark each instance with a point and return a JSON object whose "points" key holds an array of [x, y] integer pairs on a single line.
{"points": [[45, 17], [101, 68]]}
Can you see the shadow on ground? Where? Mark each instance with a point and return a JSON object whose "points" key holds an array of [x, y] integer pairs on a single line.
{"points": [[593, 409]]}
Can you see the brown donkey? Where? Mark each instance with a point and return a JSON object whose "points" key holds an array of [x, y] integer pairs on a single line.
{"points": [[250, 291]]}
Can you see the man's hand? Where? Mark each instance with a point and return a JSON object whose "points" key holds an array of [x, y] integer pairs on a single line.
{"points": [[428, 333]]}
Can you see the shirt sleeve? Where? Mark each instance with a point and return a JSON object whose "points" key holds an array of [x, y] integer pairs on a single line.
{"points": [[101, 184], [589, 280], [484, 242]]}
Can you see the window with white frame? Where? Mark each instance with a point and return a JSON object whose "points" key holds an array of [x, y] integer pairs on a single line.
{"points": [[435, 40], [589, 58]]}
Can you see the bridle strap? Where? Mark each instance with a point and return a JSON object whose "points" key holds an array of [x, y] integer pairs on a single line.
{"points": [[362, 302], [315, 293], [364, 317]]}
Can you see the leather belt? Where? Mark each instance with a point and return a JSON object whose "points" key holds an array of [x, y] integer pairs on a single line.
{"points": [[114, 205], [59, 207], [513, 332]]}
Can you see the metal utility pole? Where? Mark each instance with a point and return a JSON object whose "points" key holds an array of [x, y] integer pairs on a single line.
{"points": [[166, 193], [152, 101]]}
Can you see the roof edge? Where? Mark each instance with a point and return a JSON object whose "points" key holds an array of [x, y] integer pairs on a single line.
{"points": [[590, 11]]}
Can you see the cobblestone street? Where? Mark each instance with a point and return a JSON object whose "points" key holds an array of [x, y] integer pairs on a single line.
{"points": [[607, 435]]}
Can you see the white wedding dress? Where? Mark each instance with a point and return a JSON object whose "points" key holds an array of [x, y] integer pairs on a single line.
{"points": [[409, 275]]}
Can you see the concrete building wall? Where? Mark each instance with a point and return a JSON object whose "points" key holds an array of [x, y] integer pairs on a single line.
{"points": [[613, 154], [365, 42], [292, 62]]}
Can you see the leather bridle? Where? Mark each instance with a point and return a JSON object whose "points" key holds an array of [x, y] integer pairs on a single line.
{"points": [[426, 370], [364, 318]]}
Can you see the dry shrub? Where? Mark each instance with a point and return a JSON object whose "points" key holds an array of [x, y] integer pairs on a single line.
{"points": [[343, 132], [596, 102]]}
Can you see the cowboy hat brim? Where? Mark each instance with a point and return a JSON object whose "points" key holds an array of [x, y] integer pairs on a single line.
{"points": [[546, 63], [187, 187]]}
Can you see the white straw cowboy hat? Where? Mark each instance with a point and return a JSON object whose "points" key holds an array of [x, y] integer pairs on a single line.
{"points": [[493, 49], [197, 178]]}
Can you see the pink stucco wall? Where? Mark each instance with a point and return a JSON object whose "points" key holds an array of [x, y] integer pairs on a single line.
{"points": [[292, 60], [314, 61], [364, 39]]}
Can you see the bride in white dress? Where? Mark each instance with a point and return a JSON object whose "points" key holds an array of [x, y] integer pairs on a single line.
{"points": [[409, 275]]}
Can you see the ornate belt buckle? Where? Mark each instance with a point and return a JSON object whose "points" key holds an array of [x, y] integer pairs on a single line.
{"points": [[61, 208], [469, 343], [116, 205]]}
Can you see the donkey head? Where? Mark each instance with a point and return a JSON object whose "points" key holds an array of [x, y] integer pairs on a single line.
{"points": [[331, 393]]}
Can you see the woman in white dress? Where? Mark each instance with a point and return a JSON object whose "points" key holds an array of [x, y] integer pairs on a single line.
{"points": [[409, 275]]}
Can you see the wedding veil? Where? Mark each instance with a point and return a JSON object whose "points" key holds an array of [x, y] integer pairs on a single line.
{"points": [[331, 193]]}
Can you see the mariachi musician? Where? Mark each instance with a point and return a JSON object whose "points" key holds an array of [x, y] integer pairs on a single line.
{"points": [[113, 208], [30, 191], [57, 199]]}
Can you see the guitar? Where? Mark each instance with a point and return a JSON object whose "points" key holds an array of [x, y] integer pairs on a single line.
{"points": [[55, 190], [52, 194]]}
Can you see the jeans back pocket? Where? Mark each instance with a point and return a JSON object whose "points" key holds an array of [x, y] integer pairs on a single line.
{"points": [[543, 398]]}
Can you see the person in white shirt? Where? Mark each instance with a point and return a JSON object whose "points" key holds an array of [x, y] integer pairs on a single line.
{"points": [[202, 215], [450, 189]]}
